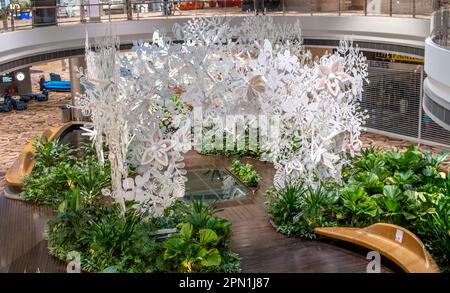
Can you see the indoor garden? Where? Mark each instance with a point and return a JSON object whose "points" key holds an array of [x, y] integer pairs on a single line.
{"points": [[251, 97]]}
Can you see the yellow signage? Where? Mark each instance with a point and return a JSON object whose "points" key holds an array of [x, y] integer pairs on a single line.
{"points": [[14, 6], [397, 57]]}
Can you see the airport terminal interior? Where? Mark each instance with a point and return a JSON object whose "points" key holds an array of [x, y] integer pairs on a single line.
{"points": [[225, 136]]}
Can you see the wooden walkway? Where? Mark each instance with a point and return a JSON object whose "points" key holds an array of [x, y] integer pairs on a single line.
{"points": [[262, 249], [23, 247]]}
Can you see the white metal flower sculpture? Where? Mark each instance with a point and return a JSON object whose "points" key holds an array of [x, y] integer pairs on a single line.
{"points": [[332, 77], [256, 68]]}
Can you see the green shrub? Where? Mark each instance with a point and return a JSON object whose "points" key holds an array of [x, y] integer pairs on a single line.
{"points": [[192, 250], [434, 229], [107, 239], [404, 188], [112, 242], [284, 205], [57, 171], [232, 150], [297, 210], [246, 173]]}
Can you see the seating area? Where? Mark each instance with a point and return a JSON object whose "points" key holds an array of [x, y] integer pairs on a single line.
{"points": [[56, 84], [391, 241], [9, 103], [23, 166]]}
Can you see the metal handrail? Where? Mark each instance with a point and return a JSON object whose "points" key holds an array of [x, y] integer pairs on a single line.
{"points": [[141, 9]]}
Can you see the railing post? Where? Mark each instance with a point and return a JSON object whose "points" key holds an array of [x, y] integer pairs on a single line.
{"points": [[12, 20], [129, 10], [419, 129], [390, 7], [5, 19], [138, 8], [365, 7], [414, 9], [339, 7], [283, 8], [310, 7], [82, 14]]}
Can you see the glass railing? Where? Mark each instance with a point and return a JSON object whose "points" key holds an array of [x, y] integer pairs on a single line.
{"points": [[17, 17], [440, 27]]}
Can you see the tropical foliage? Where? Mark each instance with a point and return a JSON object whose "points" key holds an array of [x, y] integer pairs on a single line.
{"points": [[58, 171], [112, 242], [404, 188], [246, 173], [92, 224]]}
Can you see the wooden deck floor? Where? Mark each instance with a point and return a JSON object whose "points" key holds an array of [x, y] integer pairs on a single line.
{"points": [[263, 249], [23, 247]]}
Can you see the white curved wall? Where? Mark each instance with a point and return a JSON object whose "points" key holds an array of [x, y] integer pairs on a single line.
{"points": [[401, 31], [437, 84], [437, 62]]}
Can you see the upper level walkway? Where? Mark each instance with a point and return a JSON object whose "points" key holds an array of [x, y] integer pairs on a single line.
{"points": [[69, 12], [376, 25]]}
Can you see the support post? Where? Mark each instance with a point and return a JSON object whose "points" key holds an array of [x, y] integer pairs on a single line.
{"points": [[82, 13], [75, 82], [24, 85], [419, 129], [129, 10], [12, 19]]}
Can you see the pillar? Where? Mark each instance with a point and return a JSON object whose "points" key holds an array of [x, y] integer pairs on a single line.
{"points": [[76, 85], [94, 10], [129, 9], [23, 81], [44, 13]]}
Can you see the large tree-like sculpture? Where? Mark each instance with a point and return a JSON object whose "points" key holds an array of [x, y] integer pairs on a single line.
{"points": [[256, 69]]}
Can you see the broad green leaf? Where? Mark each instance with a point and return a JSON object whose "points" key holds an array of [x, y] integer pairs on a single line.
{"points": [[202, 253], [392, 205], [212, 258], [169, 254], [186, 230], [441, 157], [208, 236], [391, 191], [174, 243], [62, 207]]}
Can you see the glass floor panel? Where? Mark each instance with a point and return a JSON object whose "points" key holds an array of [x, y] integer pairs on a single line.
{"points": [[213, 185]]}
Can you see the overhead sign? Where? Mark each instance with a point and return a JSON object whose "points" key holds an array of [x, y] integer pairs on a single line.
{"points": [[14, 6]]}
